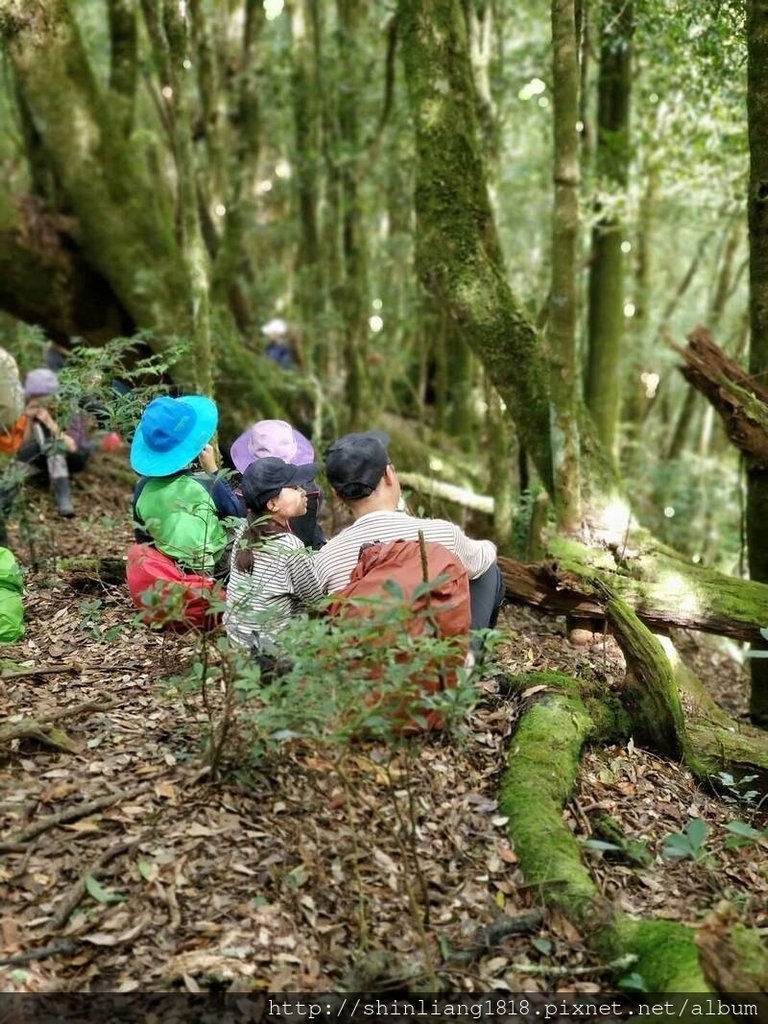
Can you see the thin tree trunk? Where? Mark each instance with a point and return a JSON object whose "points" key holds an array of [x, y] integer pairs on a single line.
{"points": [[757, 204], [565, 239], [352, 296], [606, 274], [306, 119], [193, 246]]}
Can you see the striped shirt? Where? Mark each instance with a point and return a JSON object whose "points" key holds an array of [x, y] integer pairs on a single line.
{"points": [[335, 562], [261, 603]]}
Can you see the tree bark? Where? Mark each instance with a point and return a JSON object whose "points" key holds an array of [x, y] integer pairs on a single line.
{"points": [[757, 206], [563, 306], [122, 213], [606, 272], [458, 254], [665, 592]]}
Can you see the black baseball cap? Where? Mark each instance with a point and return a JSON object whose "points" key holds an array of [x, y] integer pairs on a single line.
{"points": [[356, 462], [265, 478]]}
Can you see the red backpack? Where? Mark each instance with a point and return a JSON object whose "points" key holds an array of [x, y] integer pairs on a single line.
{"points": [[445, 608]]}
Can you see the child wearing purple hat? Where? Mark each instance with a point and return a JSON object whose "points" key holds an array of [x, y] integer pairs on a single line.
{"points": [[39, 441], [277, 439]]}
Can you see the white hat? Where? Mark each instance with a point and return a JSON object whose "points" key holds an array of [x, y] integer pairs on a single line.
{"points": [[275, 328]]}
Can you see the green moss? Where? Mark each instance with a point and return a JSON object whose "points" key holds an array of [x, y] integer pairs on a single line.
{"points": [[543, 762], [668, 960]]}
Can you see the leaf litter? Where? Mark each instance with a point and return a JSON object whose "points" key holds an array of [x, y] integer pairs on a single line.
{"points": [[281, 881]]}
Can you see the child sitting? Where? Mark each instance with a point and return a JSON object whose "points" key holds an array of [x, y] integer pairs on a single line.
{"points": [[279, 440], [39, 441], [271, 572], [176, 511]]}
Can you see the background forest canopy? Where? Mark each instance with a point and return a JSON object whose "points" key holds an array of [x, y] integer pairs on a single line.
{"points": [[195, 168]]}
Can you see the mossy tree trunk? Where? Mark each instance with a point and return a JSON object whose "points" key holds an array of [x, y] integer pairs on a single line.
{"points": [[458, 254], [122, 213], [606, 271], [149, 268], [563, 306], [757, 473]]}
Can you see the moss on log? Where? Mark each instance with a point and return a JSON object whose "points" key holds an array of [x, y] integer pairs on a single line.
{"points": [[650, 690], [663, 588], [543, 762]]}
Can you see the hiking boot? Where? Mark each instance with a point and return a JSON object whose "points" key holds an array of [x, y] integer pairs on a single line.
{"points": [[63, 497]]}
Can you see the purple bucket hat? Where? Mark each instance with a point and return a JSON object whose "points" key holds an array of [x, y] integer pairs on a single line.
{"points": [[39, 382], [271, 439]]}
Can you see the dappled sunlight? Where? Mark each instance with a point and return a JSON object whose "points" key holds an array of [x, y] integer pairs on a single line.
{"points": [[674, 586], [614, 518]]}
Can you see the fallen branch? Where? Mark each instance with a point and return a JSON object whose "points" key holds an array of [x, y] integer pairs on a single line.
{"points": [[63, 817], [20, 730], [494, 933], [37, 954], [432, 488], [72, 898], [621, 963], [42, 670], [665, 592], [740, 400]]}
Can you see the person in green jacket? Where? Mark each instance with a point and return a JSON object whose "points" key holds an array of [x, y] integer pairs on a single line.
{"points": [[176, 509]]}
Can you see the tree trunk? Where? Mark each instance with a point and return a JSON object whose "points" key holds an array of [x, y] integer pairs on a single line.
{"points": [[458, 254], [123, 67], [352, 296], [606, 273], [757, 204], [45, 280], [665, 591], [563, 311], [306, 119], [121, 211]]}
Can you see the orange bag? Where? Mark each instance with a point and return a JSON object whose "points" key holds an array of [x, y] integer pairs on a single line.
{"points": [[183, 599], [446, 607]]}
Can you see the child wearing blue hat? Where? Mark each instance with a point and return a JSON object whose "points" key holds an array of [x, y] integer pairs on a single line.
{"points": [[175, 510]]}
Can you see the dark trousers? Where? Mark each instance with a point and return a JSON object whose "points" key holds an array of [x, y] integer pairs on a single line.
{"points": [[486, 594], [32, 454]]}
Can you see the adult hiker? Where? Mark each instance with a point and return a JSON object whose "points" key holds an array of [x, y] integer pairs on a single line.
{"points": [[272, 576], [177, 509], [360, 471], [278, 439], [39, 441], [282, 344]]}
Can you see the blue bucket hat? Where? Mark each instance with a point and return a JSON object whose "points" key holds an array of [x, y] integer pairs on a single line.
{"points": [[171, 433]]}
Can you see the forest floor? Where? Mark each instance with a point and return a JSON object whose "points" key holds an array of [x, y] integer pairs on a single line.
{"points": [[297, 879]]}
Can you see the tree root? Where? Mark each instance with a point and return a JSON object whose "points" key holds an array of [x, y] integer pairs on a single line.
{"points": [[707, 739], [543, 762]]}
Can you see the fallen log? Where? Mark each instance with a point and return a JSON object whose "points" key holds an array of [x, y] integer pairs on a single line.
{"points": [[663, 590]]}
